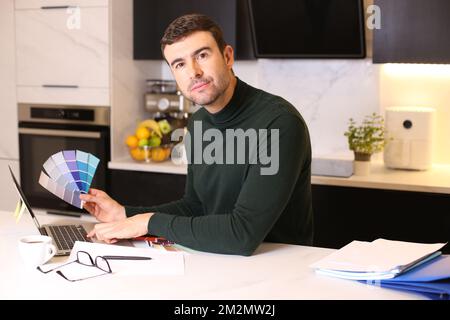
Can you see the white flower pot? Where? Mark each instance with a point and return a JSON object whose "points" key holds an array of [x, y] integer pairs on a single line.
{"points": [[361, 168]]}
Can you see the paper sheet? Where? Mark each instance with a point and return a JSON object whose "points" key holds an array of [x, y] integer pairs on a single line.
{"points": [[76, 271], [162, 263]]}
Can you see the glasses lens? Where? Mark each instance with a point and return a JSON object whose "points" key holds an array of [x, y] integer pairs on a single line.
{"points": [[102, 264], [84, 258]]}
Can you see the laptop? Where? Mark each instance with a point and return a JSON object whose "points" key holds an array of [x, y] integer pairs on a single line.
{"points": [[64, 236]]}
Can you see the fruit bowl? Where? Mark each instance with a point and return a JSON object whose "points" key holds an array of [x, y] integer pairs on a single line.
{"points": [[151, 141], [151, 154]]}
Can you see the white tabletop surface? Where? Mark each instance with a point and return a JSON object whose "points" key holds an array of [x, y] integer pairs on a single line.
{"points": [[275, 271]]}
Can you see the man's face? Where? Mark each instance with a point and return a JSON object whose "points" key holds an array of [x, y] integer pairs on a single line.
{"points": [[202, 72]]}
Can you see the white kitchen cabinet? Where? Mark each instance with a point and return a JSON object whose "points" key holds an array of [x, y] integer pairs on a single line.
{"points": [[8, 104], [61, 61], [37, 4], [80, 96]]}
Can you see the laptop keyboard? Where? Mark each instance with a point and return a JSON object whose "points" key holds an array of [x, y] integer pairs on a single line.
{"points": [[65, 236]]}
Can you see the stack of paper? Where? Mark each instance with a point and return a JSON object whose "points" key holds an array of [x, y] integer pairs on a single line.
{"points": [[394, 263], [379, 259]]}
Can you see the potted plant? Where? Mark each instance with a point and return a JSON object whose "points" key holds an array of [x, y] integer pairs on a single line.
{"points": [[365, 140]]}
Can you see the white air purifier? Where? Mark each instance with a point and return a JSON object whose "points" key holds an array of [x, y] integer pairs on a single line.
{"points": [[410, 134]]}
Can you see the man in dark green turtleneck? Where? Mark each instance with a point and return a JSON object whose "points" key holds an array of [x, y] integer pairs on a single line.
{"points": [[249, 171]]}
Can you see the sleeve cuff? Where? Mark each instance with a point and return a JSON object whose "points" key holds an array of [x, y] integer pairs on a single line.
{"points": [[132, 211], [159, 223]]}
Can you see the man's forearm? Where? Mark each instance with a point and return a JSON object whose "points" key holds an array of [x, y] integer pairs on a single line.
{"points": [[180, 207]]}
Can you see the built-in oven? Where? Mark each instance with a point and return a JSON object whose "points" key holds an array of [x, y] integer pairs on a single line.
{"points": [[47, 129]]}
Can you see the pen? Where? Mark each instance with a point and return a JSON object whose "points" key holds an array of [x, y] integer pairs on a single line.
{"points": [[126, 258]]}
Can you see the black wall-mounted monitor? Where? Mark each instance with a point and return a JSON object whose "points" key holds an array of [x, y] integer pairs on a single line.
{"points": [[308, 28]]}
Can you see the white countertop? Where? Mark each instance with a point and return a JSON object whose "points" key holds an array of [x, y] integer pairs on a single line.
{"points": [[275, 271], [161, 167], [435, 180]]}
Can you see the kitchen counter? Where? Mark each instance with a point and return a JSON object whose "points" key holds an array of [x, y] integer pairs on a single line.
{"points": [[160, 167], [435, 180]]}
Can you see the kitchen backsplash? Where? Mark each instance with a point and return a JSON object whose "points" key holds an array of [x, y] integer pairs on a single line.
{"points": [[326, 92]]}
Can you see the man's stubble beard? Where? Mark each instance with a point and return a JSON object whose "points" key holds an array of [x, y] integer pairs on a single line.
{"points": [[222, 84]]}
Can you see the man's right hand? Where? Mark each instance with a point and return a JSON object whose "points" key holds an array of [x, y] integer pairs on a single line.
{"points": [[102, 206]]}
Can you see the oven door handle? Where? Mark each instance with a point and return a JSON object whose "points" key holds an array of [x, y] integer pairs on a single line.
{"points": [[61, 133]]}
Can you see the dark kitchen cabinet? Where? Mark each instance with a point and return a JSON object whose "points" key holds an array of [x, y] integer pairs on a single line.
{"points": [[136, 188], [150, 19], [343, 214], [412, 31]]}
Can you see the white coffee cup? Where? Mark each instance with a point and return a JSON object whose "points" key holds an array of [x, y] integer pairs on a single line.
{"points": [[36, 250]]}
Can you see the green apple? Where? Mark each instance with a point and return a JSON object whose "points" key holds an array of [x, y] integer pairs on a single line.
{"points": [[165, 127], [154, 141], [143, 142]]}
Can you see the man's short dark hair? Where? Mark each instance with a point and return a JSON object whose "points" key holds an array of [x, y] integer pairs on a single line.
{"points": [[184, 25]]}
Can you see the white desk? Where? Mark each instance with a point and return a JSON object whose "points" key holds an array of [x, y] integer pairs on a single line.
{"points": [[275, 271]]}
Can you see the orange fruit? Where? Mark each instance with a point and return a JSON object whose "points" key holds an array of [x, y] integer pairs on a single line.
{"points": [[142, 133], [132, 141], [137, 154], [158, 154], [167, 150]]}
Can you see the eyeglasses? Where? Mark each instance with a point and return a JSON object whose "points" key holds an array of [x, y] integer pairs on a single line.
{"points": [[85, 259], [100, 262]]}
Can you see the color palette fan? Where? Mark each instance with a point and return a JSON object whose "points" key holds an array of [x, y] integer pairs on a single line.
{"points": [[69, 173]]}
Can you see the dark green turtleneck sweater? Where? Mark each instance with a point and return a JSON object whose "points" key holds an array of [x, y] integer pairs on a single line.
{"points": [[231, 208]]}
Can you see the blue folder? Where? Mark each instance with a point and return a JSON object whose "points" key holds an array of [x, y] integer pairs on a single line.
{"points": [[431, 279]]}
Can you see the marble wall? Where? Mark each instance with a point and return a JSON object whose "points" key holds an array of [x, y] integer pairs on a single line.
{"points": [[326, 92]]}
